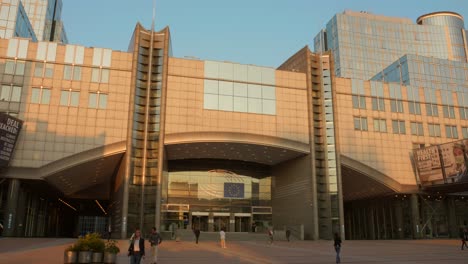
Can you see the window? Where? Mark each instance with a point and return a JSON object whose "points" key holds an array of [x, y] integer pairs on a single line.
{"points": [[40, 96], [451, 131], [432, 110], [447, 104], [449, 111], [100, 75], [72, 72], [377, 93], [396, 102], [357, 90], [360, 123], [44, 70], [431, 102], [10, 93], [434, 130], [239, 97], [14, 67], [359, 102], [398, 127], [463, 104], [396, 105], [414, 105], [463, 113], [414, 108], [417, 129], [380, 125], [97, 100], [70, 98], [465, 132]]}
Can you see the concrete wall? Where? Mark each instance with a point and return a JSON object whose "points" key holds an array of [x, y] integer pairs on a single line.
{"points": [[292, 195], [186, 113]]}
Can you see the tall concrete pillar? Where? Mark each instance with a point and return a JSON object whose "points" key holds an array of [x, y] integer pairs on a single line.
{"points": [[452, 217], [415, 219], [9, 221], [371, 223], [232, 223], [210, 222], [399, 219]]}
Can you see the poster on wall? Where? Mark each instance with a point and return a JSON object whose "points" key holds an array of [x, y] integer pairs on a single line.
{"points": [[10, 128], [442, 164], [428, 165], [454, 159]]}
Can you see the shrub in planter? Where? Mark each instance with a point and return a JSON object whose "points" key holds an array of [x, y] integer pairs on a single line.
{"points": [[70, 254], [111, 251]]}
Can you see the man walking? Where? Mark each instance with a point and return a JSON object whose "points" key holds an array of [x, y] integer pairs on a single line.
{"points": [[196, 231], [136, 251], [154, 239], [464, 238]]}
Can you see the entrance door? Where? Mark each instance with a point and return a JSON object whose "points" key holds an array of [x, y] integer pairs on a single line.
{"points": [[221, 222], [242, 224], [200, 222]]}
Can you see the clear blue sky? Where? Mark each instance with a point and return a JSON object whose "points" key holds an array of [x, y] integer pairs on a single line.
{"points": [[261, 32]]}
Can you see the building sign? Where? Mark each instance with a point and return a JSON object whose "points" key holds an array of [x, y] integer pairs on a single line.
{"points": [[10, 128], [442, 164]]}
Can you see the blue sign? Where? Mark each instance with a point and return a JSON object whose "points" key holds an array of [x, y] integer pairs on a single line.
{"points": [[233, 190]]}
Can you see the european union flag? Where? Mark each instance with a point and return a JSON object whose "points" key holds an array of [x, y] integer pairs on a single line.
{"points": [[233, 190]]}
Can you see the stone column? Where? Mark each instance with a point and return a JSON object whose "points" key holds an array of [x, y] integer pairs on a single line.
{"points": [[232, 223], [399, 219], [210, 222], [415, 219], [370, 222], [452, 217], [9, 221]]}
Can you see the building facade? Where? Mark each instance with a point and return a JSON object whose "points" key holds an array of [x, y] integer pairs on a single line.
{"points": [[322, 144], [35, 19]]}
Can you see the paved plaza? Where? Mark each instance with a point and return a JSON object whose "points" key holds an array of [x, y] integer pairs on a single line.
{"points": [[50, 251]]}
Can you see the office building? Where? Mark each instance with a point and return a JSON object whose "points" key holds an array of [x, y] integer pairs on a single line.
{"points": [[322, 144]]}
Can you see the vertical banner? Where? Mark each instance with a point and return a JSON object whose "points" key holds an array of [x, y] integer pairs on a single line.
{"points": [[10, 128]]}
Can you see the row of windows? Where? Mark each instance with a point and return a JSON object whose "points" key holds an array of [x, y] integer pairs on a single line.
{"points": [[46, 70], [69, 98], [398, 127], [396, 106]]}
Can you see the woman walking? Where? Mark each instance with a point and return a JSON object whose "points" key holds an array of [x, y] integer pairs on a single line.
{"points": [[337, 246], [137, 248]]}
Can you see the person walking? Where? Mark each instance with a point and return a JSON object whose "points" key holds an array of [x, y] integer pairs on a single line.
{"points": [[337, 246], [155, 239], [136, 250], [270, 235], [288, 234], [464, 238], [222, 237], [196, 231]]}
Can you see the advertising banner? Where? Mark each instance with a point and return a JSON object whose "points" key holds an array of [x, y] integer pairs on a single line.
{"points": [[428, 165], [10, 128], [442, 164]]}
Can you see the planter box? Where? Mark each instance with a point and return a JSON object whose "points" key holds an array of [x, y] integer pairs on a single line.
{"points": [[110, 258], [70, 257], [84, 257], [97, 257]]}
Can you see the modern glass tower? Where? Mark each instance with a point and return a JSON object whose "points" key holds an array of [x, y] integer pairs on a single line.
{"points": [[35, 19]]}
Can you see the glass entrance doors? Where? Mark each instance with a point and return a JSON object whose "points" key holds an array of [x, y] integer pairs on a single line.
{"points": [[220, 222], [242, 223], [200, 222]]}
